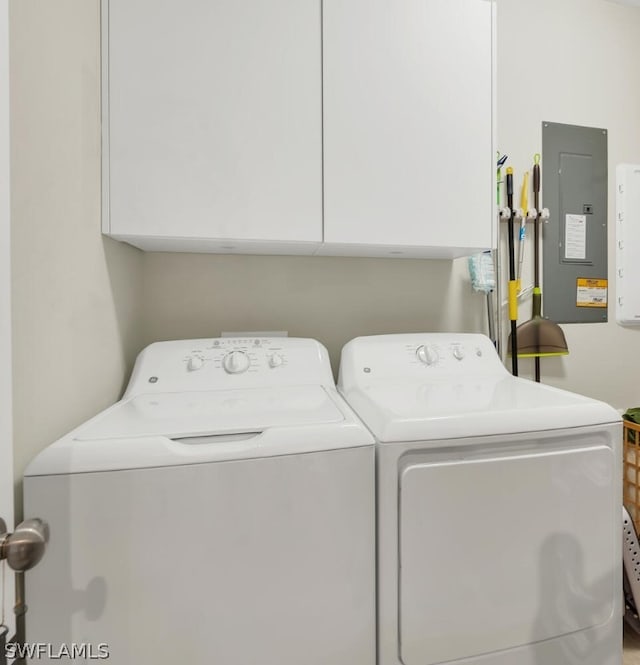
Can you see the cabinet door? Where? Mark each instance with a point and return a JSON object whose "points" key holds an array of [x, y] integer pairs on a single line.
{"points": [[214, 118], [408, 158]]}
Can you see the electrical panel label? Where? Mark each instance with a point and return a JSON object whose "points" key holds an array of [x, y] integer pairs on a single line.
{"points": [[575, 237], [591, 292]]}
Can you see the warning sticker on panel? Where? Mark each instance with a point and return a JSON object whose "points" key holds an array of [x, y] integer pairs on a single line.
{"points": [[591, 292]]}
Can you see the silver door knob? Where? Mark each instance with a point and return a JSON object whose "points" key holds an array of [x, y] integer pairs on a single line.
{"points": [[24, 548]]}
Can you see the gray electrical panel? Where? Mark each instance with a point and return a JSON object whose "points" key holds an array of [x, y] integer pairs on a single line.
{"points": [[574, 189]]}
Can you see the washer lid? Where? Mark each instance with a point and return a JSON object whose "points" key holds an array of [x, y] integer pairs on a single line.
{"points": [[193, 414], [398, 411]]}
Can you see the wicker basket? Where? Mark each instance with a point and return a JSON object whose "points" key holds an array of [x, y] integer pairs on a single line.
{"points": [[631, 478]]}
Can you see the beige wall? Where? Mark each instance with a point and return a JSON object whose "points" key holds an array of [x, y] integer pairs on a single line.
{"points": [[76, 296], [331, 299], [577, 62]]}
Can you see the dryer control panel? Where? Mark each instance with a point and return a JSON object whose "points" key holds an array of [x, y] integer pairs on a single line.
{"points": [[420, 356], [229, 362]]}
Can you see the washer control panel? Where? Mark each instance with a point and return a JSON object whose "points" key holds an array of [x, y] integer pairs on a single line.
{"points": [[237, 356], [229, 362]]}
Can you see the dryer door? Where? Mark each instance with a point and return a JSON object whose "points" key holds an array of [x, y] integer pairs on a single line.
{"points": [[497, 551]]}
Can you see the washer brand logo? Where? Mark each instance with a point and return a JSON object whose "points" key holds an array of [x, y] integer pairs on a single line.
{"points": [[38, 650]]}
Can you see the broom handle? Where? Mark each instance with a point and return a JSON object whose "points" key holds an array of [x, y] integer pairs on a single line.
{"points": [[512, 276], [536, 241], [536, 228]]}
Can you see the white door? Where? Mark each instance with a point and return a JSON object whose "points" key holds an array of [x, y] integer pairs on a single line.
{"points": [[521, 550], [6, 441]]}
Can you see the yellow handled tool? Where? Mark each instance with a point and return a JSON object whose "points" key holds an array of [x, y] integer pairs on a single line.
{"points": [[513, 286]]}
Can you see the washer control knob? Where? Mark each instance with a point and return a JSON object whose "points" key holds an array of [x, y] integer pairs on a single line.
{"points": [[427, 355], [275, 360], [458, 352], [195, 363], [236, 362]]}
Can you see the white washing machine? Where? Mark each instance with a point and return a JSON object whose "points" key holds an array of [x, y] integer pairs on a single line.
{"points": [[499, 533], [221, 512]]}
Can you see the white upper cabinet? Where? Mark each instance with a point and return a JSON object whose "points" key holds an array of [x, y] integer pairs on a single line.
{"points": [[409, 165], [354, 127], [212, 120]]}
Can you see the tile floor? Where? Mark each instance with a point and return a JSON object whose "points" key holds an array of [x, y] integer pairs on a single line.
{"points": [[631, 654]]}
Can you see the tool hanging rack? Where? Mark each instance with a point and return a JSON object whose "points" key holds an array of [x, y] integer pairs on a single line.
{"points": [[541, 337], [513, 216], [531, 216], [517, 219]]}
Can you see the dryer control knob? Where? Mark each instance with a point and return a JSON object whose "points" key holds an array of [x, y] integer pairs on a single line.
{"points": [[275, 360], [427, 355], [458, 352], [236, 362], [195, 363]]}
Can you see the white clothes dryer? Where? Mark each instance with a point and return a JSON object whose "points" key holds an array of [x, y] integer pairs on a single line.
{"points": [[221, 512], [498, 507]]}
